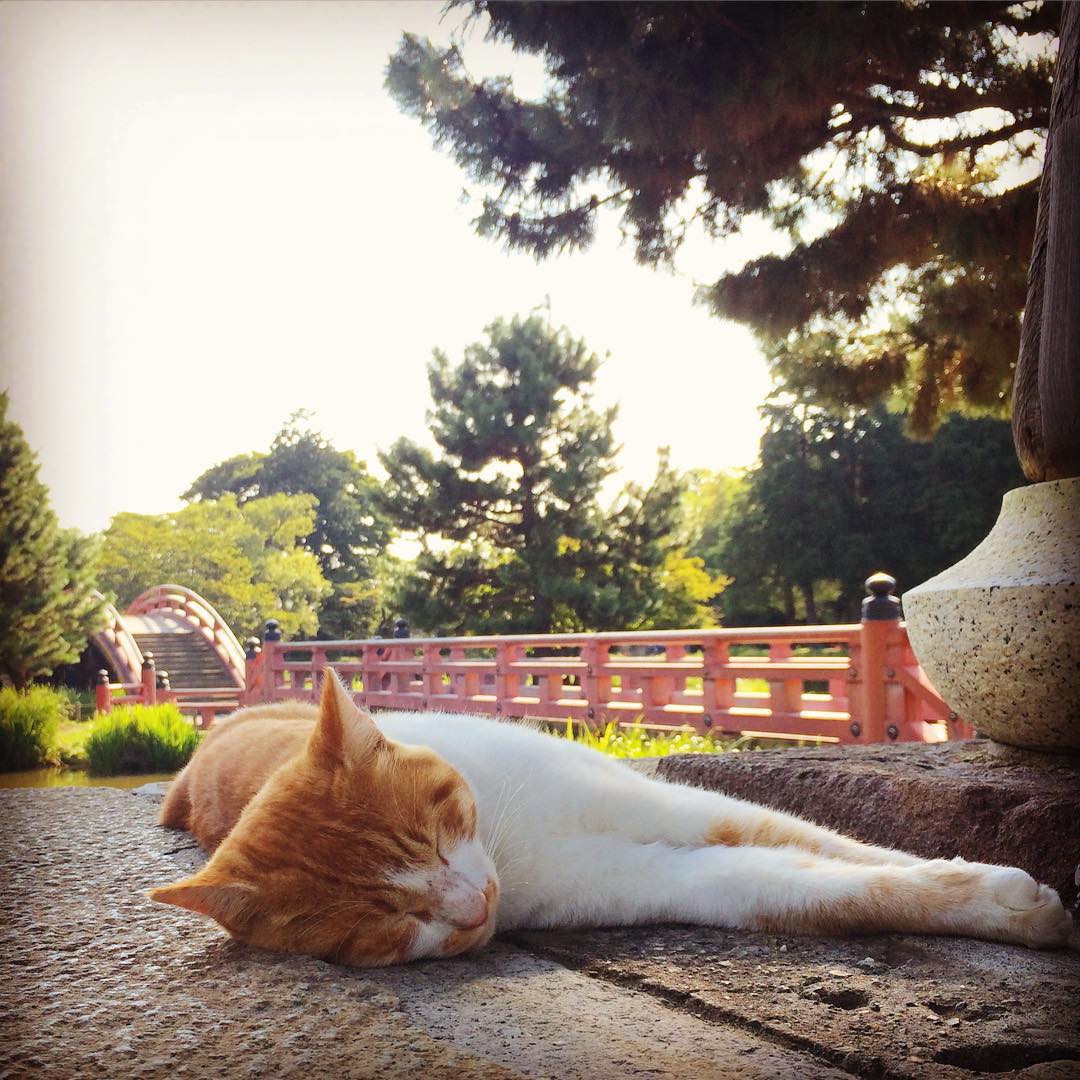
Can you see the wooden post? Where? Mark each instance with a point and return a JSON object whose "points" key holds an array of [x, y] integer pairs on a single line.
{"points": [[252, 671], [271, 648], [880, 614], [103, 692], [148, 693], [318, 666], [589, 651], [502, 677], [1046, 391], [718, 692], [432, 676], [785, 695], [368, 676]]}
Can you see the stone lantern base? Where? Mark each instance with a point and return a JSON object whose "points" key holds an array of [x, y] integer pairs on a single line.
{"points": [[999, 633]]}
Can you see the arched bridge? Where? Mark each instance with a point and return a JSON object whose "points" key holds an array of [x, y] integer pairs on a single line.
{"points": [[187, 637]]}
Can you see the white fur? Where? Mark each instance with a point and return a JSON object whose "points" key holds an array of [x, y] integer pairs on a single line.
{"points": [[457, 890], [579, 839]]}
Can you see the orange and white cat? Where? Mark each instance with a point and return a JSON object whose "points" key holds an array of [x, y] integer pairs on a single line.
{"points": [[422, 834]]}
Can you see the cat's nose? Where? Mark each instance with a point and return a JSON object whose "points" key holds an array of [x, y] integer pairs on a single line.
{"points": [[459, 902]]}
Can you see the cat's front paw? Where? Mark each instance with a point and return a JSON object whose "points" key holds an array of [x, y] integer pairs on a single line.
{"points": [[1027, 912]]}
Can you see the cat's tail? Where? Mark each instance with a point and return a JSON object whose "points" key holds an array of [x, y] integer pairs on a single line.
{"points": [[176, 809]]}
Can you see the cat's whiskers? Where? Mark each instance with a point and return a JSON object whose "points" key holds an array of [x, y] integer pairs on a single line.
{"points": [[325, 914], [502, 818], [507, 870], [348, 934], [491, 829]]}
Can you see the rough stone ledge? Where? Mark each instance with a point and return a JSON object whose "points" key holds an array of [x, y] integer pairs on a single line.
{"points": [[975, 799], [95, 980]]}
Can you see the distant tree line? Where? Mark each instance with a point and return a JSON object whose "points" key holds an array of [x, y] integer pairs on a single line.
{"points": [[837, 495], [509, 527]]}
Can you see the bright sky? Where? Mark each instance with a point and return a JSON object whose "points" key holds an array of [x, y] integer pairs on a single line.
{"points": [[213, 214]]}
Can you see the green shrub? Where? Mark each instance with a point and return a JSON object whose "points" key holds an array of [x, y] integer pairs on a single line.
{"points": [[140, 739], [28, 722]]}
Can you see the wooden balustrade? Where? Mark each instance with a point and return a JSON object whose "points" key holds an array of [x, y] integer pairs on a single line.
{"points": [[856, 683], [202, 704]]}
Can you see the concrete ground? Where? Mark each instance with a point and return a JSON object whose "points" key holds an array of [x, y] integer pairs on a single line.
{"points": [[95, 980]]}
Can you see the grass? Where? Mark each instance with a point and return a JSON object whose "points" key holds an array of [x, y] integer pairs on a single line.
{"points": [[636, 741], [69, 747], [140, 739], [29, 720]]}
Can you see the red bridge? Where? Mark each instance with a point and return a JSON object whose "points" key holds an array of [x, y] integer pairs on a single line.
{"points": [[856, 683], [170, 629]]}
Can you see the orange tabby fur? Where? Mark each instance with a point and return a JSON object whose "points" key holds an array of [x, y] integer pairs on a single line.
{"points": [[314, 819]]}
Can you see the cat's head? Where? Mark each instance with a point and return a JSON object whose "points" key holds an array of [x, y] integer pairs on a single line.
{"points": [[359, 850]]}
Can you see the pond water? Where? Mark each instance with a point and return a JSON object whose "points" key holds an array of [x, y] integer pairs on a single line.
{"points": [[71, 778]]}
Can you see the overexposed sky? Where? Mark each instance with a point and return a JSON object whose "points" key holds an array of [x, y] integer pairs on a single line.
{"points": [[213, 214]]}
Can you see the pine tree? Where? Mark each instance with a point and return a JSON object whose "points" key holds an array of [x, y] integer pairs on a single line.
{"points": [[507, 508], [47, 605], [893, 142]]}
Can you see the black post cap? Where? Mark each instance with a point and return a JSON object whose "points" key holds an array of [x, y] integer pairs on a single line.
{"points": [[103, 677], [401, 629], [881, 605], [273, 630], [148, 660], [252, 648]]}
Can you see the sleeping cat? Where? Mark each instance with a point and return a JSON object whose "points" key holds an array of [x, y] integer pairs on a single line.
{"points": [[424, 834]]}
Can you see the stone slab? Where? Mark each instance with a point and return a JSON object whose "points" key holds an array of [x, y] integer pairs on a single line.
{"points": [[97, 981], [878, 1006], [974, 799]]}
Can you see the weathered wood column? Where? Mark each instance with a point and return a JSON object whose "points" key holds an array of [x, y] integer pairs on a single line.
{"points": [[1046, 391]]}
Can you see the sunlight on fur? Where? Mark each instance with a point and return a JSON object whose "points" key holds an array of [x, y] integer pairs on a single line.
{"points": [[423, 834]]}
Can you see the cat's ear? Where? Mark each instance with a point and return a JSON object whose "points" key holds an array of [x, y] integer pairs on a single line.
{"points": [[225, 901], [343, 731]]}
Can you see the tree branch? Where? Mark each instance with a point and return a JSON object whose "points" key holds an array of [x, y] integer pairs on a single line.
{"points": [[961, 142]]}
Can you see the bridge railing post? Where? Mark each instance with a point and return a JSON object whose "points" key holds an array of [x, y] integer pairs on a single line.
{"points": [[103, 692], [271, 648], [252, 671], [148, 692], [880, 617]]}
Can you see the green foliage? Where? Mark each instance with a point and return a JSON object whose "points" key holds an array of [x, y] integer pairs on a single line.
{"points": [[244, 559], [514, 537], [348, 532], [638, 742], [140, 739], [47, 608], [839, 495], [69, 747], [29, 720], [893, 143]]}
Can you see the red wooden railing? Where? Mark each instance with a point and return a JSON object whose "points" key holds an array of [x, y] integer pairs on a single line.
{"points": [[203, 704], [857, 683], [117, 645]]}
